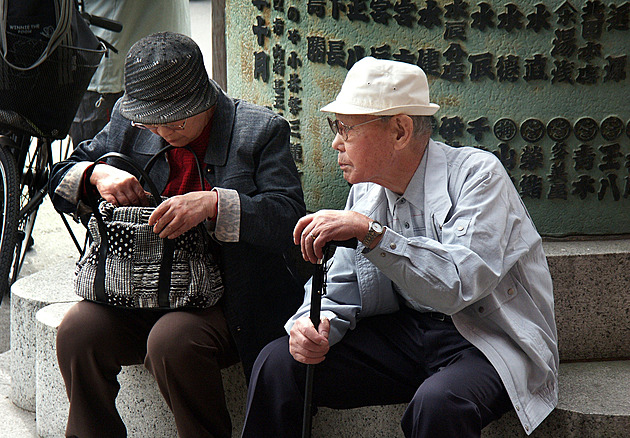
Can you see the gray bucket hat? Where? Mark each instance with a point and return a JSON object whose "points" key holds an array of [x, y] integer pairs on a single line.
{"points": [[166, 80]]}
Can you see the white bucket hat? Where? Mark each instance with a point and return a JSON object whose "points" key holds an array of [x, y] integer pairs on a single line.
{"points": [[385, 88]]}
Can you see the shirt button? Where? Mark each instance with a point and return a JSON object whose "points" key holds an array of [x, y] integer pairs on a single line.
{"points": [[510, 291], [406, 224], [383, 254], [460, 228], [392, 245], [402, 201], [481, 309]]}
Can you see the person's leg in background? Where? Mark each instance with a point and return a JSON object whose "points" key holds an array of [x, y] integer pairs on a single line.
{"points": [[92, 115]]}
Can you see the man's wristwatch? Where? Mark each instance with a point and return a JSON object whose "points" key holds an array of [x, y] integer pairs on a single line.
{"points": [[374, 230]]}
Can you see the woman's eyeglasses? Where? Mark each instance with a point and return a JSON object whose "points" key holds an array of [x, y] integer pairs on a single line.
{"points": [[338, 127], [173, 126]]}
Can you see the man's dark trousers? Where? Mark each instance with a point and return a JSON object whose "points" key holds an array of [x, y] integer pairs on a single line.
{"points": [[405, 357]]}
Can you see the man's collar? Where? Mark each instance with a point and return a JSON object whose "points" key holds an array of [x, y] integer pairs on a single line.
{"points": [[414, 191]]}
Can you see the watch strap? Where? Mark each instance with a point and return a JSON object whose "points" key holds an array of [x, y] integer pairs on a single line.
{"points": [[372, 233]]}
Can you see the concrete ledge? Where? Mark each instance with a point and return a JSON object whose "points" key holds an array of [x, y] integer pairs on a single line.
{"points": [[591, 281], [28, 295], [141, 406], [594, 402], [51, 402]]}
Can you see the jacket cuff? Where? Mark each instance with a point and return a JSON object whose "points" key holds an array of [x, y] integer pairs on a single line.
{"points": [[70, 187], [228, 221]]}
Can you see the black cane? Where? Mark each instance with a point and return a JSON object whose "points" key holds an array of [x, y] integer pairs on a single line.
{"points": [[318, 289]]}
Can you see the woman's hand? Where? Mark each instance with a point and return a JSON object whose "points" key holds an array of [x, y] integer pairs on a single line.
{"points": [[117, 186], [176, 215]]}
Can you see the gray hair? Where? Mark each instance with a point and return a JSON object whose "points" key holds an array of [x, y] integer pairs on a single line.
{"points": [[422, 125]]}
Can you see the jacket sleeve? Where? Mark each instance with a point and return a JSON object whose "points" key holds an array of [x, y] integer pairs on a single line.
{"points": [[354, 287], [65, 181]]}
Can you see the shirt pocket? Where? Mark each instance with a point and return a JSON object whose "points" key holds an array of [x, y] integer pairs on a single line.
{"points": [[506, 291], [461, 226]]}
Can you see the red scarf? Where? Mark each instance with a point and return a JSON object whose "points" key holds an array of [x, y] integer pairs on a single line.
{"points": [[184, 177]]}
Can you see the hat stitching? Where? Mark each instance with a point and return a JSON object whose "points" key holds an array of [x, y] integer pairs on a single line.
{"points": [[166, 80]]}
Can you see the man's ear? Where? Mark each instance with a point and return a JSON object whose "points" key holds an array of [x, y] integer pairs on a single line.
{"points": [[403, 125]]}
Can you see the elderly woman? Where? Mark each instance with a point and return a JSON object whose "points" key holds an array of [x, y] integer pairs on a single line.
{"points": [[251, 203]]}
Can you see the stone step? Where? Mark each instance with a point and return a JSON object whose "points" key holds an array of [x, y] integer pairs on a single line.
{"points": [[591, 280], [28, 295], [594, 400], [594, 403]]}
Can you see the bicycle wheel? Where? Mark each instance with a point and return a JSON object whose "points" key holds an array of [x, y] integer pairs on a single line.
{"points": [[9, 214], [32, 190]]}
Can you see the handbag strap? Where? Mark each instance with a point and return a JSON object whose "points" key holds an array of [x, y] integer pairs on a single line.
{"points": [[164, 279], [64, 9]]}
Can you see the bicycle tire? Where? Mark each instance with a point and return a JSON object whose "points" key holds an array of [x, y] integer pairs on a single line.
{"points": [[10, 210]]}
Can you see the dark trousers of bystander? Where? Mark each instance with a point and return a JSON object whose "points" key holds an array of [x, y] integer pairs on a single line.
{"points": [[92, 115], [405, 357]]}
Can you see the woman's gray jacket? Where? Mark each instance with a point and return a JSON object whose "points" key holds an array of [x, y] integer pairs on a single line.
{"points": [[248, 155]]}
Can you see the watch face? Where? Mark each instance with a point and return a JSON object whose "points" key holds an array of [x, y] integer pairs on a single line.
{"points": [[377, 227]]}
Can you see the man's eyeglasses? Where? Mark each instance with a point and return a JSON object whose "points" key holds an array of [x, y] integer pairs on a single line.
{"points": [[338, 127], [173, 126]]}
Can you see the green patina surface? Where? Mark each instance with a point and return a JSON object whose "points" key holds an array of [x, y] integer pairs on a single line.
{"points": [[577, 185]]}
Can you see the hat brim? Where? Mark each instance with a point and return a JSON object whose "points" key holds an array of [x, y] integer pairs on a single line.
{"points": [[164, 111], [410, 110]]}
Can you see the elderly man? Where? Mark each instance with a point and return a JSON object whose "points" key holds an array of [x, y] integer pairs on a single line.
{"points": [[251, 204], [446, 304]]}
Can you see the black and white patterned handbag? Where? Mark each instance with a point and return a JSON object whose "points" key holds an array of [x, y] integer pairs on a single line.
{"points": [[128, 265]]}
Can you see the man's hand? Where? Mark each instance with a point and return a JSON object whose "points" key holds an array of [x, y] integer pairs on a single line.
{"points": [[117, 186], [306, 344], [313, 231], [178, 214]]}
